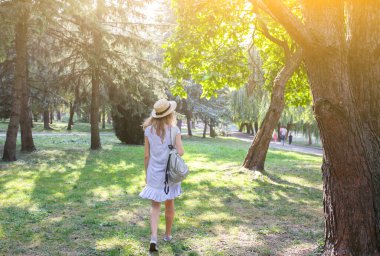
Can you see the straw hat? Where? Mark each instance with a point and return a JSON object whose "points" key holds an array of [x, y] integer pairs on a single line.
{"points": [[163, 108]]}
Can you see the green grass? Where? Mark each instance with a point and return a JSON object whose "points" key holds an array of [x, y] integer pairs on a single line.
{"points": [[67, 200], [58, 126]]}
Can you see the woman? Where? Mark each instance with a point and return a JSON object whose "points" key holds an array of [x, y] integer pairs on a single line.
{"points": [[159, 129]]}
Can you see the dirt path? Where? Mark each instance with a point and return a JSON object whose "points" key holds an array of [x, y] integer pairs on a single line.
{"points": [[278, 145]]}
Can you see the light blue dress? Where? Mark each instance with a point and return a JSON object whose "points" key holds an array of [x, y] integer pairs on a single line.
{"points": [[159, 154]]}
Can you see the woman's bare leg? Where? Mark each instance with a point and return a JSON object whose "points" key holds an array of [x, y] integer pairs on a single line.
{"points": [[169, 216], [154, 217]]}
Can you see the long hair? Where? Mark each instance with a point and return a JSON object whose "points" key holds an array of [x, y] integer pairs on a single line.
{"points": [[158, 124]]}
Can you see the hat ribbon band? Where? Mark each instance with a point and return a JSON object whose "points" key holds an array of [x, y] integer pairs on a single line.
{"points": [[162, 112]]}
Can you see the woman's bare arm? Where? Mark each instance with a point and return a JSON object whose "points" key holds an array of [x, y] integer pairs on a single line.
{"points": [[146, 155], [178, 145]]}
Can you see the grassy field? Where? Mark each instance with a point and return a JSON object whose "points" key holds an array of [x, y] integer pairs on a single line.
{"points": [[60, 127], [66, 200]]}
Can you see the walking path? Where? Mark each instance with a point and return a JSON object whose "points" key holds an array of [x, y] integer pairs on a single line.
{"points": [[278, 145], [238, 135]]}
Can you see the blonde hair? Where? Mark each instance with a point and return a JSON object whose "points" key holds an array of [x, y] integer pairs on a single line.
{"points": [[159, 124]]}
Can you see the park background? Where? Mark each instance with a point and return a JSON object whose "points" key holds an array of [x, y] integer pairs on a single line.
{"points": [[78, 78]]}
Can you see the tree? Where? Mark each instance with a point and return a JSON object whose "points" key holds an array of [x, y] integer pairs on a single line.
{"points": [[338, 38], [20, 80], [215, 62]]}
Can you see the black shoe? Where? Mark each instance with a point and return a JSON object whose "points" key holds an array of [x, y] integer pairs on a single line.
{"points": [[153, 247]]}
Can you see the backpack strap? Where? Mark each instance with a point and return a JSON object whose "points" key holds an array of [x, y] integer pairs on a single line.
{"points": [[171, 146]]}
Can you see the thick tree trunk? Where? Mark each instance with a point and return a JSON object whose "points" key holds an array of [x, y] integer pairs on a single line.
{"points": [[188, 120], [350, 166], [46, 119], [257, 152], [94, 111], [21, 29], [26, 121], [204, 129], [341, 43]]}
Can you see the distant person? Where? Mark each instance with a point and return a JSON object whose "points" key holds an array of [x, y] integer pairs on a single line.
{"points": [[158, 129], [283, 132], [290, 138], [275, 136]]}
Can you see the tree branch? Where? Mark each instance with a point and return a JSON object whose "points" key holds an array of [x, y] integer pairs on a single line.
{"points": [[286, 18], [281, 43]]}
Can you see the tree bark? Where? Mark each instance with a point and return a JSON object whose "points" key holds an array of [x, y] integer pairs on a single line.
{"points": [[51, 116], [58, 115], [71, 116], [309, 133], [95, 93], [46, 119], [104, 117], [26, 121], [94, 116], [188, 120], [241, 127], [21, 31], [255, 158], [256, 127], [212, 130], [35, 116], [204, 129], [341, 59]]}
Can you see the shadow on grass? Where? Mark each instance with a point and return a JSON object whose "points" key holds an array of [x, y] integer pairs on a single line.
{"points": [[87, 203]]}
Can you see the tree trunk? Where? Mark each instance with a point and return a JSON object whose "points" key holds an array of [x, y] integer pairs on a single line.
{"points": [[249, 128], [241, 127], [256, 127], [104, 117], [204, 129], [257, 152], [94, 111], [348, 178], [51, 116], [309, 133], [35, 116], [341, 43], [21, 29], [94, 116], [188, 120], [58, 115], [26, 121], [212, 130], [46, 119], [71, 116]]}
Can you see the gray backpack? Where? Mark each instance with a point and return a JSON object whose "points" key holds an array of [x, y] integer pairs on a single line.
{"points": [[176, 169]]}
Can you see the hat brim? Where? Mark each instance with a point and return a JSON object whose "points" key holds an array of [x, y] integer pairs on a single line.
{"points": [[173, 106]]}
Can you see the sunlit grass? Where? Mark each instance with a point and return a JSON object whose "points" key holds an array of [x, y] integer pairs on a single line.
{"points": [[59, 126], [66, 199]]}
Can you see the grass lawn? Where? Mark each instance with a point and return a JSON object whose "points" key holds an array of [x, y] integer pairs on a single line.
{"points": [[58, 126], [66, 200]]}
